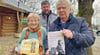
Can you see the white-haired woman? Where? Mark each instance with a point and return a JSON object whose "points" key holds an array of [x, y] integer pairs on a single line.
{"points": [[34, 30]]}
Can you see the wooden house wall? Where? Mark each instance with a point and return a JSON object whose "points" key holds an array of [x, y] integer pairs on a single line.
{"points": [[8, 21], [0, 25]]}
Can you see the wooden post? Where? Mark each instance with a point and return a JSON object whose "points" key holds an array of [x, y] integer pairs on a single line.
{"points": [[19, 18], [18, 21]]}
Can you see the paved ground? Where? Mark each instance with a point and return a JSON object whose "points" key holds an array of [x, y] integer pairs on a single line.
{"points": [[96, 46], [6, 44]]}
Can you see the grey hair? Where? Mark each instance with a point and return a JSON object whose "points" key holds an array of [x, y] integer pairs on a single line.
{"points": [[67, 1]]}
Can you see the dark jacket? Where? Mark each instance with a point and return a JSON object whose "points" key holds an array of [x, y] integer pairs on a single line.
{"points": [[82, 35]]}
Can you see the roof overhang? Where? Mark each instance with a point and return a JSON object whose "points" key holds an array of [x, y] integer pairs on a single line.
{"points": [[11, 7]]}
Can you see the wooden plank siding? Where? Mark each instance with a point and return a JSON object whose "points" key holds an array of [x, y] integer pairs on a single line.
{"points": [[0, 25], [11, 26], [8, 22]]}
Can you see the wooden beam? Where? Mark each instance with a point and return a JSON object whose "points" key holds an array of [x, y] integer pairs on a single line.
{"points": [[19, 18], [7, 12], [7, 9]]}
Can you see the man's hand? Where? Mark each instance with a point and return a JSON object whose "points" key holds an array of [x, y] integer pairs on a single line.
{"points": [[67, 33]]}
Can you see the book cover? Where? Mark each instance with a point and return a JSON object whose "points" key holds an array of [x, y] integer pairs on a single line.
{"points": [[30, 47], [56, 43]]}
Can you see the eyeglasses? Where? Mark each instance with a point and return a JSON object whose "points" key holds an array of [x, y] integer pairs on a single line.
{"points": [[33, 20]]}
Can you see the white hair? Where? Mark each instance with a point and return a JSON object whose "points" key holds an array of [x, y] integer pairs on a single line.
{"points": [[67, 1]]}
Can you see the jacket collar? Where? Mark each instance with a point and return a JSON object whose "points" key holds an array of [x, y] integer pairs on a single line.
{"points": [[58, 20], [46, 14]]}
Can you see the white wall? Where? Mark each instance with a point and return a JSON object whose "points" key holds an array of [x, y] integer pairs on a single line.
{"points": [[96, 14]]}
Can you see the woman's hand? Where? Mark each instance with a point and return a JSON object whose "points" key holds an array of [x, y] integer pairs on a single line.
{"points": [[41, 53], [18, 52], [47, 52]]}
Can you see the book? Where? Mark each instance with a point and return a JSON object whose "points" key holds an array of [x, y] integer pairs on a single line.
{"points": [[30, 47], [56, 43]]}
